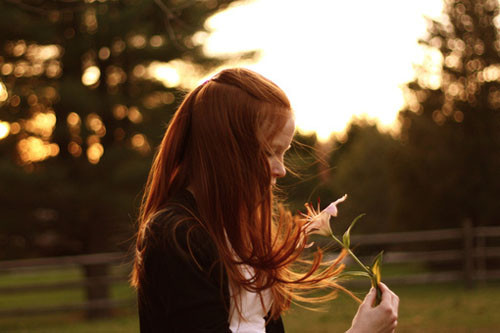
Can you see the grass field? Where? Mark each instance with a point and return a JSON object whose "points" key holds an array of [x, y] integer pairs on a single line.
{"points": [[432, 308]]}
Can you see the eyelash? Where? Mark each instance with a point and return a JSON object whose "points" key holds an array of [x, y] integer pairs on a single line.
{"points": [[274, 153]]}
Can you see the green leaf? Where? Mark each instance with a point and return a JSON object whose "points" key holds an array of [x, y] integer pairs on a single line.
{"points": [[346, 239], [376, 277], [376, 266], [354, 274]]}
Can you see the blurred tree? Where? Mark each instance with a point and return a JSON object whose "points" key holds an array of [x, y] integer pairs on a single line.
{"points": [[451, 127], [363, 167], [84, 89]]}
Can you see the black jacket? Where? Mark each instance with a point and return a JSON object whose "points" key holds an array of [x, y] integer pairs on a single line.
{"points": [[177, 293]]}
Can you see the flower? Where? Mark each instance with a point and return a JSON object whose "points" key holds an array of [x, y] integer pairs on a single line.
{"points": [[319, 222]]}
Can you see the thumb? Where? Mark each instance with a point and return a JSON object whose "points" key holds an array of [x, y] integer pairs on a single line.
{"points": [[370, 297]]}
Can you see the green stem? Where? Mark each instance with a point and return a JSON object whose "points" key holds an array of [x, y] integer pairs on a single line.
{"points": [[352, 255], [376, 286]]}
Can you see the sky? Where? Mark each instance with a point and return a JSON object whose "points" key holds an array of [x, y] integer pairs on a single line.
{"points": [[335, 59]]}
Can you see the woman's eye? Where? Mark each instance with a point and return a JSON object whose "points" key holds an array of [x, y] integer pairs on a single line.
{"points": [[270, 153]]}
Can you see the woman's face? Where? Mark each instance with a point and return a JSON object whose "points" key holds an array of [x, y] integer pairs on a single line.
{"points": [[279, 145]]}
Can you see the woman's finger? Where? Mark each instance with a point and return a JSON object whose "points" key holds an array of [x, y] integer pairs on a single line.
{"points": [[395, 302], [394, 297], [370, 297], [387, 294]]}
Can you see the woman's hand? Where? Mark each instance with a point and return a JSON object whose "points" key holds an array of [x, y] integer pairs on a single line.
{"points": [[380, 319]]}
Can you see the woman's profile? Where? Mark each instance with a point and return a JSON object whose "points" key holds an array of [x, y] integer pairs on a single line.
{"points": [[214, 253]]}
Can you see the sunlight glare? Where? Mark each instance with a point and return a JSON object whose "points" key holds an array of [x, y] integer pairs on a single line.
{"points": [[42, 123], [4, 129], [95, 152], [333, 65], [165, 73], [91, 75], [4, 95], [33, 149]]}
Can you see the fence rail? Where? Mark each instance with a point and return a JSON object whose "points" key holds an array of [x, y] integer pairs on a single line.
{"points": [[472, 251], [59, 262], [470, 257]]}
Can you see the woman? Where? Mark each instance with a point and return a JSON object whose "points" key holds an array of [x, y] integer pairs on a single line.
{"points": [[213, 254]]}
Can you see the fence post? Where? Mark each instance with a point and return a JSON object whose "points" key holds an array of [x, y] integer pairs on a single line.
{"points": [[481, 258], [97, 289], [468, 231]]}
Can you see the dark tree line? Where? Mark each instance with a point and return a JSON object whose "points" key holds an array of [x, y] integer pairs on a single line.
{"points": [[69, 181], [451, 134], [84, 68], [445, 165]]}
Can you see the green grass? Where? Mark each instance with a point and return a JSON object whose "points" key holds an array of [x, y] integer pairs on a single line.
{"points": [[430, 308], [435, 308], [119, 290]]}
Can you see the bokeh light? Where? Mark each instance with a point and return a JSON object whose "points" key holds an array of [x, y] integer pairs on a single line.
{"points": [[74, 149], [104, 53], [73, 119], [4, 129], [7, 69], [4, 95], [115, 75], [157, 41], [134, 115], [15, 128], [34, 149], [41, 124], [165, 73], [95, 124], [137, 41], [95, 152], [140, 143], [120, 111], [91, 76]]}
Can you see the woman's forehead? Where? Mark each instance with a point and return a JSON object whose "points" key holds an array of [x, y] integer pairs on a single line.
{"points": [[284, 136]]}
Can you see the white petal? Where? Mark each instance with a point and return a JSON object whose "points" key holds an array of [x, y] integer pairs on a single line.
{"points": [[332, 208]]}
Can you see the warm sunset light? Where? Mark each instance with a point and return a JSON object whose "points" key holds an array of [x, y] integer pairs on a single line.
{"points": [[15, 128], [4, 129], [140, 143], [94, 153], [165, 73], [335, 60], [134, 115], [95, 124], [73, 119], [91, 75], [33, 149], [74, 149], [3, 93], [42, 124]]}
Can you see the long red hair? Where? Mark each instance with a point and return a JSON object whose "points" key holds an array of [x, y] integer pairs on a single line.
{"points": [[217, 144]]}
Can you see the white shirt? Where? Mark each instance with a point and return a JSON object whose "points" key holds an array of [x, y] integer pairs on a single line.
{"points": [[250, 304]]}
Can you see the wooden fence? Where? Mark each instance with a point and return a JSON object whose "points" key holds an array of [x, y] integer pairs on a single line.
{"points": [[470, 253], [97, 284], [466, 250]]}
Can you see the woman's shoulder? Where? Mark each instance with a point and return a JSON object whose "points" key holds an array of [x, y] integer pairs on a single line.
{"points": [[177, 232], [179, 213]]}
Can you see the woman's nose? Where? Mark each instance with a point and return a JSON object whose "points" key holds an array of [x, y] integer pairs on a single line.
{"points": [[278, 169]]}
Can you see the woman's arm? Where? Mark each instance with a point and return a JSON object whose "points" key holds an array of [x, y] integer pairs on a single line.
{"points": [[185, 289]]}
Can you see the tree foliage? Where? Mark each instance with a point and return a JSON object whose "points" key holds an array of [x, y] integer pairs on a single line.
{"points": [[87, 86], [364, 167], [451, 127]]}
